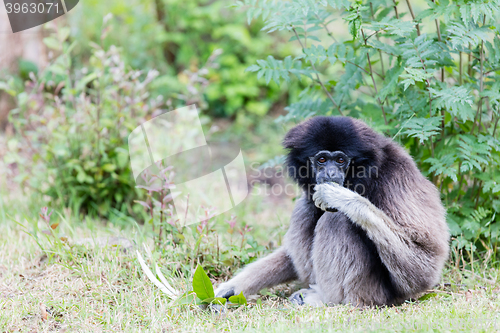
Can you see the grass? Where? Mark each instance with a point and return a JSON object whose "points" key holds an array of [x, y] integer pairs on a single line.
{"points": [[104, 289], [46, 285]]}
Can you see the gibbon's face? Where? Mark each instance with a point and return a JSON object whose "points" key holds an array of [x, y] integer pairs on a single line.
{"points": [[330, 167]]}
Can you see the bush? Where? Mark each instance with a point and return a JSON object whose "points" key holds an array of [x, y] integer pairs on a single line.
{"points": [[428, 80], [72, 127]]}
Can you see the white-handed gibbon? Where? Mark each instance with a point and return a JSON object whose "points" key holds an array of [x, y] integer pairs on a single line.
{"points": [[369, 228]]}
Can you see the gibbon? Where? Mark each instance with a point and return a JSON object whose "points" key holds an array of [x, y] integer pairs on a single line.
{"points": [[369, 229]]}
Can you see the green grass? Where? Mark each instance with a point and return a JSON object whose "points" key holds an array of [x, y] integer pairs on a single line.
{"points": [[105, 290]]}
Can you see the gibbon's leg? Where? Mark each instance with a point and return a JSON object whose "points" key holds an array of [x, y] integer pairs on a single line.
{"points": [[348, 268], [413, 267], [290, 262], [274, 269], [299, 238]]}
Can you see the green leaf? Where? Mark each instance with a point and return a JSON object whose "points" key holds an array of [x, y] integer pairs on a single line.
{"points": [[189, 297], [108, 167], [422, 128], [444, 165], [391, 82], [202, 285], [414, 75], [427, 296], [393, 26], [462, 35], [214, 300], [238, 299], [52, 43], [457, 100], [252, 68]]}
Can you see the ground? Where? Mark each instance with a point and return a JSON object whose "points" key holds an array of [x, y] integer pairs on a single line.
{"points": [[103, 289], [51, 286]]}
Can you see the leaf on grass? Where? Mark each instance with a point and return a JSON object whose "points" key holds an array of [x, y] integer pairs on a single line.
{"points": [[214, 300], [202, 285], [238, 299], [427, 296]]}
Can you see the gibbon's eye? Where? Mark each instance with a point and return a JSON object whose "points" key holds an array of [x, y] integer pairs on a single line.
{"points": [[340, 160], [321, 160]]}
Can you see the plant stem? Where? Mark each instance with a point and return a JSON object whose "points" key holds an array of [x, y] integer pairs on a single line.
{"points": [[495, 127], [396, 9], [373, 80], [460, 67], [327, 30], [379, 51], [460, 181], [469, 64], [442, 80], [317, 76], [481, 87], [413, 16]]}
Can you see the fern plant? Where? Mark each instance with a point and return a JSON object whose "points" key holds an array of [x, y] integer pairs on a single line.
{"points": [[425, 73]]}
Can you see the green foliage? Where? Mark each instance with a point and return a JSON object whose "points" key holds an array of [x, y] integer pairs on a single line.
{"points": [[177, 38], [72, 127], [204, 290], [429, 79], [214, 242], [203, 293]]}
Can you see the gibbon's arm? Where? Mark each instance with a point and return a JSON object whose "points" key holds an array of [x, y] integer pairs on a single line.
{"points": [[274, 269], [409, 266]]}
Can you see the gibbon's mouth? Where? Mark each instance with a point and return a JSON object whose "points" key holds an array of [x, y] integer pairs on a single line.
{"points": [[339, 181]]}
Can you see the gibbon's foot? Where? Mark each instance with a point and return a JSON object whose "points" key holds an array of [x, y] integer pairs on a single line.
{"points": [[215, 308], [224, 292], [306, 297]]}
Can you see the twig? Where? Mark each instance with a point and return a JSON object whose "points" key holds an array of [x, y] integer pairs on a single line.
{"points": [[379, 51], [327, 30], [413, 16], [495, 127], [317, 76], [481, 87], [460, 67], [442, 79], [396, 9], [373, 80]]}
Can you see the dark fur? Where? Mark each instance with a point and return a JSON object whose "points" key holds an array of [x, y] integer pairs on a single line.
{"points": [[378, 251]]}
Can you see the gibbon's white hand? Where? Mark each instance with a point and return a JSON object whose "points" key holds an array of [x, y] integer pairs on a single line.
{"points": [[332, 196]]}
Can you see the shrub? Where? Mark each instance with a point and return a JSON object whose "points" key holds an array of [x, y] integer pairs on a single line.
{"points": [[428, 79], [72, 127]]}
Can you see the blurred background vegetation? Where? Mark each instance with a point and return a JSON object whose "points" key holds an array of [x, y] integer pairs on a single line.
{"points": [[199, 51]]}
